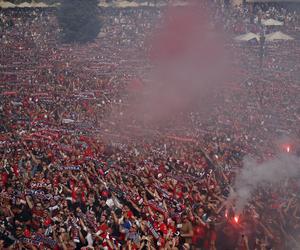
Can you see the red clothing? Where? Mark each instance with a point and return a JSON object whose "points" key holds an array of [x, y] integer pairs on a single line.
{"points": [[130, 214], [199, 233], [163, 228], [172, 229], [4, 178], [16, 171], [103, 227], [211, 237]]}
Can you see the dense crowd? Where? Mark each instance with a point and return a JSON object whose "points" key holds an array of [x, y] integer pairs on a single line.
{"points": [[70, 180]]}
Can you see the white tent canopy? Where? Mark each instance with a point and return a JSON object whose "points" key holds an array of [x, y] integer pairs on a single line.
{"points": [[278, 36], [271, 22], [39, 5], [6, 5], [24, 5], [247, 37], [130, 4], [126, 4], [135, 4]]}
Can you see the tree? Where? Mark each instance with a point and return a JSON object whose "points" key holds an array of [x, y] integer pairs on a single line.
{"points": [[79, 20]]}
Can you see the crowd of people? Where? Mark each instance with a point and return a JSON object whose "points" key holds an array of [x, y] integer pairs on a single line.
{"points": [[70, 180]]}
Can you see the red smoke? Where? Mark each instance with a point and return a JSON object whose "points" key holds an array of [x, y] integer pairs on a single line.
{"points": [[189, 64]]}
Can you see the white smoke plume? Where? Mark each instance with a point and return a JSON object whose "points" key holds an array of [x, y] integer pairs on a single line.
{"points": [[253, 175]]}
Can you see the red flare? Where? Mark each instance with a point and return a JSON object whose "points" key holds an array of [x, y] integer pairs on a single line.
{"points": [[236, 219]]}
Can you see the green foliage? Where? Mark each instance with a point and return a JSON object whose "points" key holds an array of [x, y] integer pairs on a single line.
{"points": [[79, 20]]}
